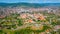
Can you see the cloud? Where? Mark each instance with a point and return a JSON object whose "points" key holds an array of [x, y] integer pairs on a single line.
{"points": [[31, 1]]}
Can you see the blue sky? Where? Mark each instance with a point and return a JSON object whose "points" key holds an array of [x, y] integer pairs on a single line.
{"points": [[31, 1]]}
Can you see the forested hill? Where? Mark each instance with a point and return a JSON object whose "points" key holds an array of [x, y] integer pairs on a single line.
{"points": [[35, 5]]}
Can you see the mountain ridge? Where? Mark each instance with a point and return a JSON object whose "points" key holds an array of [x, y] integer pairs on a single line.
{"points": [[35, 5]]}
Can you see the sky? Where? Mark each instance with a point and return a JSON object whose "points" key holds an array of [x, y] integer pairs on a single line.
{"points": [[30, 1]]}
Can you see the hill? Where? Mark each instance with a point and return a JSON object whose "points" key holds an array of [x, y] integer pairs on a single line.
{"points": [[35, 5]]}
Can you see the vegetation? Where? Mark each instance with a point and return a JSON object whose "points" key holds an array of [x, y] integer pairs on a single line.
{"points": [[36, 23]]}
